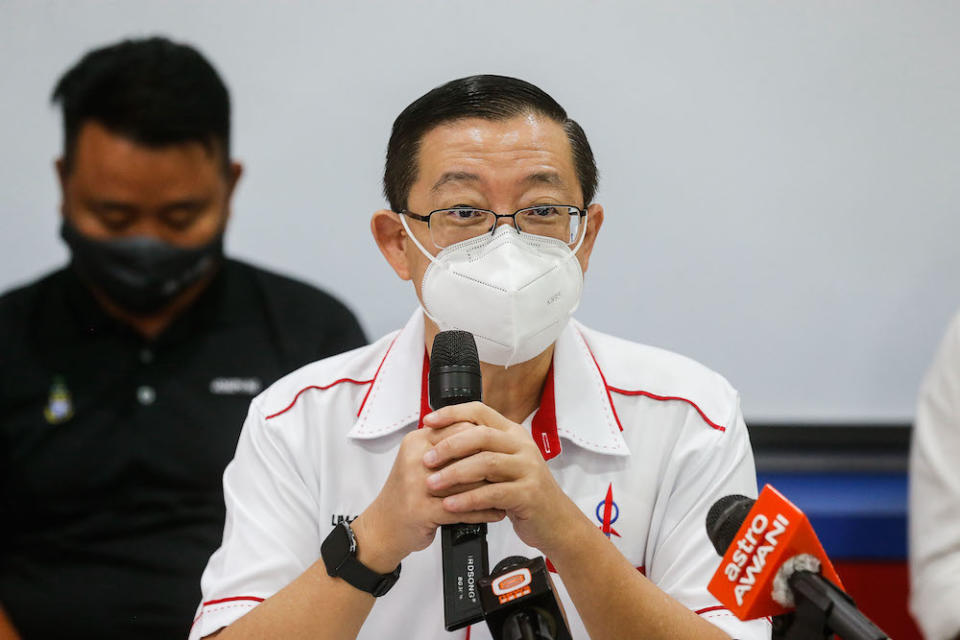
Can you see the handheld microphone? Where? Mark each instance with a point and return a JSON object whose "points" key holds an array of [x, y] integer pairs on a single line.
{"points": [[519, 602], [454, 379], [773, 564]]}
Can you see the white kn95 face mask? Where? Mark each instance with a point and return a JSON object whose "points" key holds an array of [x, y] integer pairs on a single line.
{"points": [[513, 291]]}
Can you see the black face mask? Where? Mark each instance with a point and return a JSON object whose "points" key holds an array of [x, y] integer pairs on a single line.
{"points": [[140, 274]]}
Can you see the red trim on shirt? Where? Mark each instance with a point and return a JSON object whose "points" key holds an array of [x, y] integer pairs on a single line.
{"points": [[627, 392], [210, 602], [605, 385], [654, 396], [375, 374], [220, 601], [544, 425], [424, 388], [340, 381], [709, 609], [321, 388], [467, 637]]}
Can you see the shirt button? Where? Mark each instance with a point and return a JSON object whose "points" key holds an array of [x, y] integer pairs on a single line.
{"points": [[146, 395], [146, 356]]}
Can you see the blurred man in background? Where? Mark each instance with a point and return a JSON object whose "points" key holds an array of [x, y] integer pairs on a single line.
{"points": [[125, 377], [935, 496]]}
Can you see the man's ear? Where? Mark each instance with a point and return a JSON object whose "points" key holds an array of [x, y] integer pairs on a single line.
{"points": [[594, 222], [60, 167], [391, 237], [234, 172]]}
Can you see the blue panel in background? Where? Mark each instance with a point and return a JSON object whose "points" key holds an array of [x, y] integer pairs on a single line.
{"points": [[859, 516]]}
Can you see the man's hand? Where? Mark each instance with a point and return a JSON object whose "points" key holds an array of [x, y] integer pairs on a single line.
{"points": [[483, 461], [405, 515]]}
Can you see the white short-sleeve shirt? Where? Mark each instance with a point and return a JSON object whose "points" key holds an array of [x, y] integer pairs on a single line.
{"points": [[642, 440], [935, 495]]}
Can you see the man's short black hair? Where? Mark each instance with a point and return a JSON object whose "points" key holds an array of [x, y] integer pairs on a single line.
{"points": [[153, 91], [488, 97]]}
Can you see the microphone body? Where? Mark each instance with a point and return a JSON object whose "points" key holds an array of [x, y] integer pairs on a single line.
{"points": [[454, 379], [774, 565], [518, 601], [823, 609]]}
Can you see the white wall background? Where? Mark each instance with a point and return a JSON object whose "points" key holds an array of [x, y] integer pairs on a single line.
{"points": [[781, 177]]}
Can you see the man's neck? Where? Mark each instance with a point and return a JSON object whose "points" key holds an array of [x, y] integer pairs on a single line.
{"points": [[513, 391], [152, 325]]}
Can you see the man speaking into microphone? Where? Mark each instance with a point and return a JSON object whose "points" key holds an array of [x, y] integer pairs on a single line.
{"points": [[600, 454]]}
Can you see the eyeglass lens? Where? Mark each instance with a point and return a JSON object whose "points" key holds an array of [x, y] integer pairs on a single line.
{"points": [[450, 226]]}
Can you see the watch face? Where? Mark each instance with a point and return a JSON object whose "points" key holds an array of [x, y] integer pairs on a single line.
{"points": [[337, 548], [339, 551]]}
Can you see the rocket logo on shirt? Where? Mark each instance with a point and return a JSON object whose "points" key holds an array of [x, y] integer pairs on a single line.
{"points": [[59, 407], [608, 512]]}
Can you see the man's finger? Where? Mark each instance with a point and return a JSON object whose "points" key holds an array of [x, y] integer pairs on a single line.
{"points": [[475, 412], [436, 435], [464, 443], [440, 515], [499, 496], [449, 491], [486, 465]]}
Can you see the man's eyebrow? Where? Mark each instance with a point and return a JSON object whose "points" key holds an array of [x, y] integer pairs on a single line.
{"points": [[187, 203], [110, 205], [454, 176], [545, 177]]}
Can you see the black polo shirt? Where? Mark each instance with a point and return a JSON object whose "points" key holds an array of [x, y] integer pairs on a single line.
{"points": [[112, 447]]}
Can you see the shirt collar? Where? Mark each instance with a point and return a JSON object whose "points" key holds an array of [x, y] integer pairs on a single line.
{"points": [[574, 405], [393, 400]]}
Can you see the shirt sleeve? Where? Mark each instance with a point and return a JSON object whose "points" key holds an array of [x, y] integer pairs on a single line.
{"points": [[708, 463], [271, 531], [935, 495]]}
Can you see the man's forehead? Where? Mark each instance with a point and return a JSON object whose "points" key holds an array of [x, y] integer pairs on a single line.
{"points": [[532, 178], [99, 147], [96, 141], [534, 146], [529, 130]]}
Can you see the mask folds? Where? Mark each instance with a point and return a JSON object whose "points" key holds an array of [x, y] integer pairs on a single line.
{"points": [[142, 274], [513, 291]]}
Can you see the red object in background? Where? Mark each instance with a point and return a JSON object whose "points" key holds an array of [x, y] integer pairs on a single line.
{"points": [[880, 590]]}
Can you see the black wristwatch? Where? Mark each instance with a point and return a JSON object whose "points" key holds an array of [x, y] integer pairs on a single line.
{"points": [[339, 553]]}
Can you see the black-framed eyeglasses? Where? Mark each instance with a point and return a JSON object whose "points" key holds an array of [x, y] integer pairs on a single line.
{"points": [[450, 226]]}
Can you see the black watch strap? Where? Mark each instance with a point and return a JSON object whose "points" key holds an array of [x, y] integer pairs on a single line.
{"points": [[339, 553]]}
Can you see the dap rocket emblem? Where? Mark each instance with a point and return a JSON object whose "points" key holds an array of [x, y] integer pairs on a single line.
{"points": [[607, 513], [59, 407]]}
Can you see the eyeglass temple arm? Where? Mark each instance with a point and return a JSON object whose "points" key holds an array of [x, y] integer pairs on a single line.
{"points": [[415, 216]]}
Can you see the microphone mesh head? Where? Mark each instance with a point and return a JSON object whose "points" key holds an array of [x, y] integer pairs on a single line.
{"points": [[724, 520], [454, 348]]}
